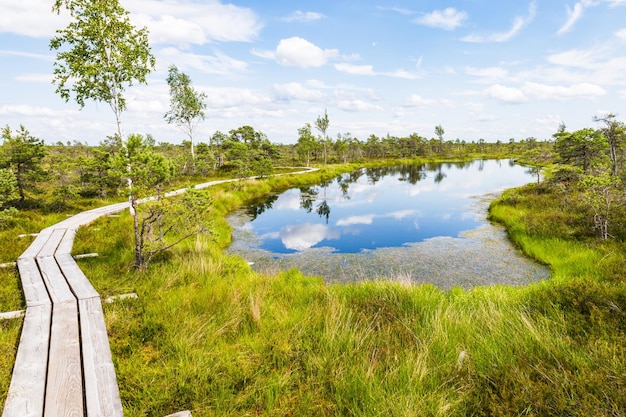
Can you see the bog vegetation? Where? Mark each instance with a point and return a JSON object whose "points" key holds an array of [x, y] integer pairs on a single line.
{"points": [[210, 335]]}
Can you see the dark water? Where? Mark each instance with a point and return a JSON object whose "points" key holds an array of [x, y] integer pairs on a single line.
{"points": [[412, 221]]}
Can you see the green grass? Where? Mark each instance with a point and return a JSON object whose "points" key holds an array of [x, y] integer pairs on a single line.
{"points": [[209, 335]]}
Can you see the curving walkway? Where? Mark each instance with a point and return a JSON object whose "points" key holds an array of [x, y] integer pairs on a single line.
{"points": [[63, 365]]}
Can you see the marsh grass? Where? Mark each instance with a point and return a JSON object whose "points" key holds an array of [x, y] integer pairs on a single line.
{"points": [[210, 335]]}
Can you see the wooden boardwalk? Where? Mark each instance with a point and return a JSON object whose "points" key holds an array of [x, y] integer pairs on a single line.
{"points": [[63, 365]]}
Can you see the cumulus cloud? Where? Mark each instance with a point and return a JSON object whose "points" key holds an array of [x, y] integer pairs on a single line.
{"points": [[31, 18], [180, 23], [621, 34], [300, 16], [188, 22], [304, 236], [296, 91], [505, 94], [447, 19], [298, 52], [518, 24]]}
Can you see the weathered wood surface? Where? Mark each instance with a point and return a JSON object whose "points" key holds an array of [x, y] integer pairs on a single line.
{"points": [[28, 383], [63, 365], [102, 396], [64, 387]]}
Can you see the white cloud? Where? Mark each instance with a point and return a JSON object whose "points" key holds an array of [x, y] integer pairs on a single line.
{"points": [[300, 16], [32, 18], [489, 73], [303, 236], [396, 10], [296, 91], [42, 57], [169, 22], [543, 92], [399, 215], [357, 106], [226, 97], [415, 100], [355, 69], [558, 92], [35, 78], [580, 58], [188, 22], [219, 64], [448, 19], [352, 220], [298, 52], [621, 34], [26, 110], [401, 73], [518, 24], [505, 94], [368, 70], [573, 15]]}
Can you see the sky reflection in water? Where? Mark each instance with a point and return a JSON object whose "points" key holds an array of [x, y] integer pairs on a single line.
{"points": [[377, 208], [371, 218]]}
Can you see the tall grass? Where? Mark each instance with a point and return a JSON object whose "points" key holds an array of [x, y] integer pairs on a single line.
{"points": [[210, 335]]}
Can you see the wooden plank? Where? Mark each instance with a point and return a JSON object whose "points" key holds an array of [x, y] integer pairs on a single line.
{"points": [[114, 298], [37, 244], [34, 289], [185, 413], [28, 383], [78, 282], [85, 255], [64, 386], [65, 246], [11, 315], [58, 288], [102, 396], [52, 243]]}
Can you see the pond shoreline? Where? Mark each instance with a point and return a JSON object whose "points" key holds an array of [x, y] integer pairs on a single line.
{"points": [[478, 257]]}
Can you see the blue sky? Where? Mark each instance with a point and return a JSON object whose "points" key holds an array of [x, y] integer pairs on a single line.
{"points": [[480, 68]]}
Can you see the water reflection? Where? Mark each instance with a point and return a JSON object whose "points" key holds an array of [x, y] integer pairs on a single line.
{"points": [[379, 207], [369, 212]]}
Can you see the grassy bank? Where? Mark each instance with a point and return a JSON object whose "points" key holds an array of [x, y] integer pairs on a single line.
{"points": [[210, 335]]}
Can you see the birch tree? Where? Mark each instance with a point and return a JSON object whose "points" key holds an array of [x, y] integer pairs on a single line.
{"points": [[321, 124], [186, 104], [99, 54]]}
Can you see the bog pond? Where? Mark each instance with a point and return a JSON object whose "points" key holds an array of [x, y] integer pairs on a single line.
{"points": [[423, 223]]}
